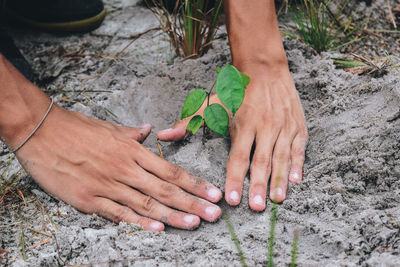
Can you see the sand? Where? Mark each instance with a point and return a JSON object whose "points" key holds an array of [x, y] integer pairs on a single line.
{"points": [[347, 209]]}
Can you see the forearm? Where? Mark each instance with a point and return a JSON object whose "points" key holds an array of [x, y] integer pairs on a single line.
{"points": [[21, 105], [254, 33]]}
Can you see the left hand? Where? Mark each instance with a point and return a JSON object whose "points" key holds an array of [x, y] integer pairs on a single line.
{"points": [[272, 118]]}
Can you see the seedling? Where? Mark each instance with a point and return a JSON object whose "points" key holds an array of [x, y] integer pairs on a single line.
{"points": [[230, 86]]}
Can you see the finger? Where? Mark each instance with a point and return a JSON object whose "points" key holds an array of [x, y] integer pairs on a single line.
{"points": [[237, 166], [280, 167], [178, 176], [119, 213], [138, 134], [297, 156], [260, 171], [150, 207], [177, 132], [171, 195]]}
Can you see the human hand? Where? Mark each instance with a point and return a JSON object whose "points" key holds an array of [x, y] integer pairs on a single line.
{"points": [[272, 118], [101, 168]]}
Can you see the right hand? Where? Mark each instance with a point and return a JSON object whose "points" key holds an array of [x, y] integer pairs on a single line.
{"points": [[270, 119], [101, 168]]}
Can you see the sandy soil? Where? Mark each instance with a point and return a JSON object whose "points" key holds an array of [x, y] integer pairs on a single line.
{"points": [[347, 209]]}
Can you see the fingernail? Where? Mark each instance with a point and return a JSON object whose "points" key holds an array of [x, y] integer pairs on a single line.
{"points": [[144, 126], [190, 220], [234, 196], [295, 176], [277, 192], [258, 200], [156, 226], [214, 193], [212, 212]]}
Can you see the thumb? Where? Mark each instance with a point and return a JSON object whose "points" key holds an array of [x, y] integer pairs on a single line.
{"points": [[178, 131]]}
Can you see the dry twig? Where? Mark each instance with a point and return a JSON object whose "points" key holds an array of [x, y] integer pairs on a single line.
{"points": [[134, 38], [38, 232], [391, 14], [159, 150], [39, 244]]}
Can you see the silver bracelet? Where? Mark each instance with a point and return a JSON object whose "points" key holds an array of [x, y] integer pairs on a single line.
{"points": [[36, 128]]}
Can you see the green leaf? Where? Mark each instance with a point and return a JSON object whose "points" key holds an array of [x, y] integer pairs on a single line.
{"points": [[230, 88], [245, 79], [216, 119], [218, 70], [194, 124], [193, 102]]}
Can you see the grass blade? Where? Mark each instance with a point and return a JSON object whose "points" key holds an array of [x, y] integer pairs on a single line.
{"points": [[234, 238], [294, 248], [22, 237], [271, 239]]}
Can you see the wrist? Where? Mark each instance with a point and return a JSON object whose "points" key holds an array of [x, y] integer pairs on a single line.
{"points": [[273, 57], [22, 122], [22, 105], [268, 70]]}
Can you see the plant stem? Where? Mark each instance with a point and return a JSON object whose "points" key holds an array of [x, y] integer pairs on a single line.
{"points": [[208, 103], [271, 239], [209, 92]]}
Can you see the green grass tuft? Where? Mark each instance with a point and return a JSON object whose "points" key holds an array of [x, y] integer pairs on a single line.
{"points": [[190, 24], [316, 25]]}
